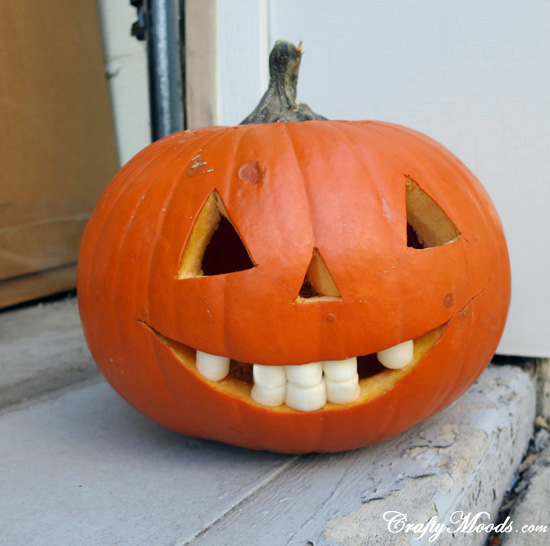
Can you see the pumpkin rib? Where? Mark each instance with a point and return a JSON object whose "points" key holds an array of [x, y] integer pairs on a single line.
{"points": [[458, 364], [118, 328], [323, 135], [385, 127], [304, 186], [370, 176], [160, 226], [223, 132], [179, 179], [190, 425], [461, 364], [117, 276], [92, 248], [398, 395], [389, 415], [227, 311], [286, 133], [233, 138], [343, 129]]}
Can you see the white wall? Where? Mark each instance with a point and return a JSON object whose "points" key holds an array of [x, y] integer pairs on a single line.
{"points": [[126, 66]]}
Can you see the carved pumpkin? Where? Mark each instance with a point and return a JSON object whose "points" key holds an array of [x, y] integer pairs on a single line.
{"points": [[295, 286]]}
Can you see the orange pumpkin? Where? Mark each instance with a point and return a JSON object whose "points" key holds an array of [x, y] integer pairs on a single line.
{"points": [[287, 244]]}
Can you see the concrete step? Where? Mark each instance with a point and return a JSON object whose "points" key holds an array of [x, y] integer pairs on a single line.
{"points": [[42, 349], [86, 469]]}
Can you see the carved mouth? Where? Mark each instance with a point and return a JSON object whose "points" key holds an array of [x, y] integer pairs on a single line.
{"points": [[315, 386]]}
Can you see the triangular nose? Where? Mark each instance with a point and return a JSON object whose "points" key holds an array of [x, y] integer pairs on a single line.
{"points": [[318, 281]]}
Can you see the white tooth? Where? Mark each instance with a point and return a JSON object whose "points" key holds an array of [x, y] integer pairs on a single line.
{"points": [[269, 376], [306, 375], [211, 366], [340, 370], [343, 392], [398, 356], [269, 397], [306, 399]]}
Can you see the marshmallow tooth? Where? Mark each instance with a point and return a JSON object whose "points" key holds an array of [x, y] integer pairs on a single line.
{"points": [[306, 399], [269, 376], [266, 396], [305, 375], [340, 370], [211, 366], [269, 385], [398, 356], [343, 392]]}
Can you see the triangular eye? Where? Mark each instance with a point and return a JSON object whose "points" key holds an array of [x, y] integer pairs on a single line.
{"points": [[214, 247], [427, 225], [318, 281]]}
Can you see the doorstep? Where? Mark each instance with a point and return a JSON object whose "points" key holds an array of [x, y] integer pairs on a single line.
{"points": [[42, 349], [81, 467]]}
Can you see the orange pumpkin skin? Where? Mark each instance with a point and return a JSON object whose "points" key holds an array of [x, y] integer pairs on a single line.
{"points": [[336, 186]]}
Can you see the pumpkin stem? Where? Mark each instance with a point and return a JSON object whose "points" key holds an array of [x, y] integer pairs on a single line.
{"points": [[279, 101]]}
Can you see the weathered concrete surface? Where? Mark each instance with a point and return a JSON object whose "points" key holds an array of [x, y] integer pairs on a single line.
{"points": [[86, 469], [531, 512], [463, 459], [42, 348]]}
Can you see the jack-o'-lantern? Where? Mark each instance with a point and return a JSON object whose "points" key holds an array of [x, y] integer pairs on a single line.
{"points": [[293, 283]]}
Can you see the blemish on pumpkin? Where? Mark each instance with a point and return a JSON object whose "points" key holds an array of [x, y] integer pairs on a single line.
{"points": [[331, 317], [194, 167], [386, 210], [464, 311], [195, 164], [250, 173], [449, 299], [182, 136]]}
